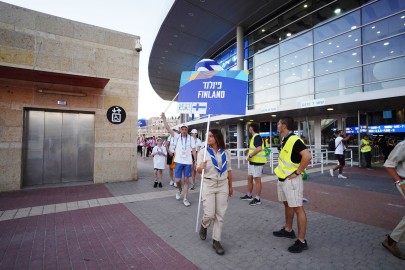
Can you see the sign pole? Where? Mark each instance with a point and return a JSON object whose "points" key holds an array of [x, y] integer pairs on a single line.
{"points": [[157, 121], [202, 176]]}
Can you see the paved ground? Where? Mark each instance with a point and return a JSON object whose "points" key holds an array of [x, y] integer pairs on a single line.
{"points": [[131, 225]]}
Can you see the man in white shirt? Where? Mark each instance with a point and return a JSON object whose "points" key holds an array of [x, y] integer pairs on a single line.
{"points": [[395, 166], [184, 150], [340, 147]]}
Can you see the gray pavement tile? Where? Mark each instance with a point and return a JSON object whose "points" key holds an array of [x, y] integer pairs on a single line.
{"points": [[334, 243]]}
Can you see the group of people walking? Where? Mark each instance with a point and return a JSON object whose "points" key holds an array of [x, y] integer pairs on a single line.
{"points": [[214, 163]]}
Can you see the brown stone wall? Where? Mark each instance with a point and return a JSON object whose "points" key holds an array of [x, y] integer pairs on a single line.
{"points": [[37, 41]]}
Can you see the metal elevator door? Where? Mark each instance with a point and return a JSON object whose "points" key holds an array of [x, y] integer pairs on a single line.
{"points": [[58, 147]]}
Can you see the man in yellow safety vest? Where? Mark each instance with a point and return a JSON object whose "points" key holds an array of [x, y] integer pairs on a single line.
{"points": [[365, 149], [257, 159], [294, 157]]}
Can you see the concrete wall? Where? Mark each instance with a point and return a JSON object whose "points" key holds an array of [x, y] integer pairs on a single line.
{"points": [[33, 40]]}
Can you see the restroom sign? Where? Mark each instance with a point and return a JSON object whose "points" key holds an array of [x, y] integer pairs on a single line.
{"points": [[116, 115]]}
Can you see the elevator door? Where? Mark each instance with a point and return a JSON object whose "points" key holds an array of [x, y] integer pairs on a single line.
{"points": [[58, 147]]}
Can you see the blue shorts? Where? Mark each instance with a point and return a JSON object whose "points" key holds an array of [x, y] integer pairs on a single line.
{"points": [[180, 168]]}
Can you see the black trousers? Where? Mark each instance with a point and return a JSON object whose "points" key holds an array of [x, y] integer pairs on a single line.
{"points": [[367, 159]]}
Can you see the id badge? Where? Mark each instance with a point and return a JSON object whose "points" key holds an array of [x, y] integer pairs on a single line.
{"points": [[183, 153]]}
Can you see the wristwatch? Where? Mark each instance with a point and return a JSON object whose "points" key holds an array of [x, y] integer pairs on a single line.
{"points": [[399, 183], [296, 172]]}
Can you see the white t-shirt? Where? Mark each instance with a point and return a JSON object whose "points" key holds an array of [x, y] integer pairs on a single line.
{"points": [[159, 160], [184, 147], [197, 143], [340, 147], [171, 142]]}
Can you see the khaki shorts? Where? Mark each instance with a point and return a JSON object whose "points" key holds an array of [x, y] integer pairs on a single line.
{"points": [[291, 191], [255, 171]]}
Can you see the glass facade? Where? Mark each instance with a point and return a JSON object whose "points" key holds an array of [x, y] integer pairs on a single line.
{"points": [[324, 48]]}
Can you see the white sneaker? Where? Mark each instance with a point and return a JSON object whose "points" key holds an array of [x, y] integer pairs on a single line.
{"points": [[186, 202], [175, 184], [342, 176], [331, 172], [178, 194], [171, 182]]}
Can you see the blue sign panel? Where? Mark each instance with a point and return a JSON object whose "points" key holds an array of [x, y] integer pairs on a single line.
{"points": [[141, 123], [213, 92], [397, 128]]}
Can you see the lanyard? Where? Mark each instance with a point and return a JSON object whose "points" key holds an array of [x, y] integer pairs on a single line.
{"points": [[184, 146]]}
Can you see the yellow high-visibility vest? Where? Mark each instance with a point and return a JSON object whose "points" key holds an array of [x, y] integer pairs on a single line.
{"points": [[285, 166], [259, 157], [366, 147]]}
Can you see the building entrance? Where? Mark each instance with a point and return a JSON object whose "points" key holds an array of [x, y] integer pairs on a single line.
{"points": [[58, 147]]}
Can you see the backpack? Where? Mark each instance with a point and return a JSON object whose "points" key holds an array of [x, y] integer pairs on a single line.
{"points": [[331, 145]]}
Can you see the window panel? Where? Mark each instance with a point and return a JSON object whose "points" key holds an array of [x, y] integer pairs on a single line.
{"points": [[296, 74], [266, 69], [384, 49], [385, 28], [296, 58], [340, 92], [297, 89], [384, 85], [385, 70], [296, 43], [266, 82], [338, 26], [266, 56], [338, 80], [337, 44], [381, 9], [338, 62]]}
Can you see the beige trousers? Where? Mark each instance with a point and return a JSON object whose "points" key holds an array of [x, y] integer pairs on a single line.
{"points": [[398, 234], [215, 202]]}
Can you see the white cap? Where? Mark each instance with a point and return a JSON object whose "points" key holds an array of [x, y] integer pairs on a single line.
{"points": [[183, 125], [194, 131]]}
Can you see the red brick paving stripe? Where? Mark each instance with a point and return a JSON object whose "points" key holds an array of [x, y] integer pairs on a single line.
{"points": [[108, 237], [362, 206], [45, 196]]}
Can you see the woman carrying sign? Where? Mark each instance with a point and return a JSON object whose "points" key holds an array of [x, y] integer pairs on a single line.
{"points": [[217, 186]]}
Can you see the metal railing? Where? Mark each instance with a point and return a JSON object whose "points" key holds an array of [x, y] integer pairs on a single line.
{"points": [[319, 157]]}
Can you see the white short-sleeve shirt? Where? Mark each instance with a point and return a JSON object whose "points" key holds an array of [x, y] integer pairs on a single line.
{"points": [[340, 148], [184, 147]]}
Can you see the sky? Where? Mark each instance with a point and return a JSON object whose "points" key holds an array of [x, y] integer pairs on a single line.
{"points": [[137, 17]]}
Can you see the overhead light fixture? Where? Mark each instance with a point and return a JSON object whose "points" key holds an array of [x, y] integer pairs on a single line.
{"points": [[338, 10], [62, 93], [329, 109], [241, 119], [273, 115]]}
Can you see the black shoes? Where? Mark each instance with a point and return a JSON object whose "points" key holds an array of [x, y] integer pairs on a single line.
{"points": [[255, 202], [298, 246], [156, 184], [246, 198], [203, 233], [218, 247], [284, 233]]}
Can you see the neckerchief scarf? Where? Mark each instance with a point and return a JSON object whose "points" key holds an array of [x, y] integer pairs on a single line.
{"points": [[214, 160]]}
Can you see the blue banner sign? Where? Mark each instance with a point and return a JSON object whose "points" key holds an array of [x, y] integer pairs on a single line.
{"points": [[141, 123], [213, 92], [397, 128]]}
